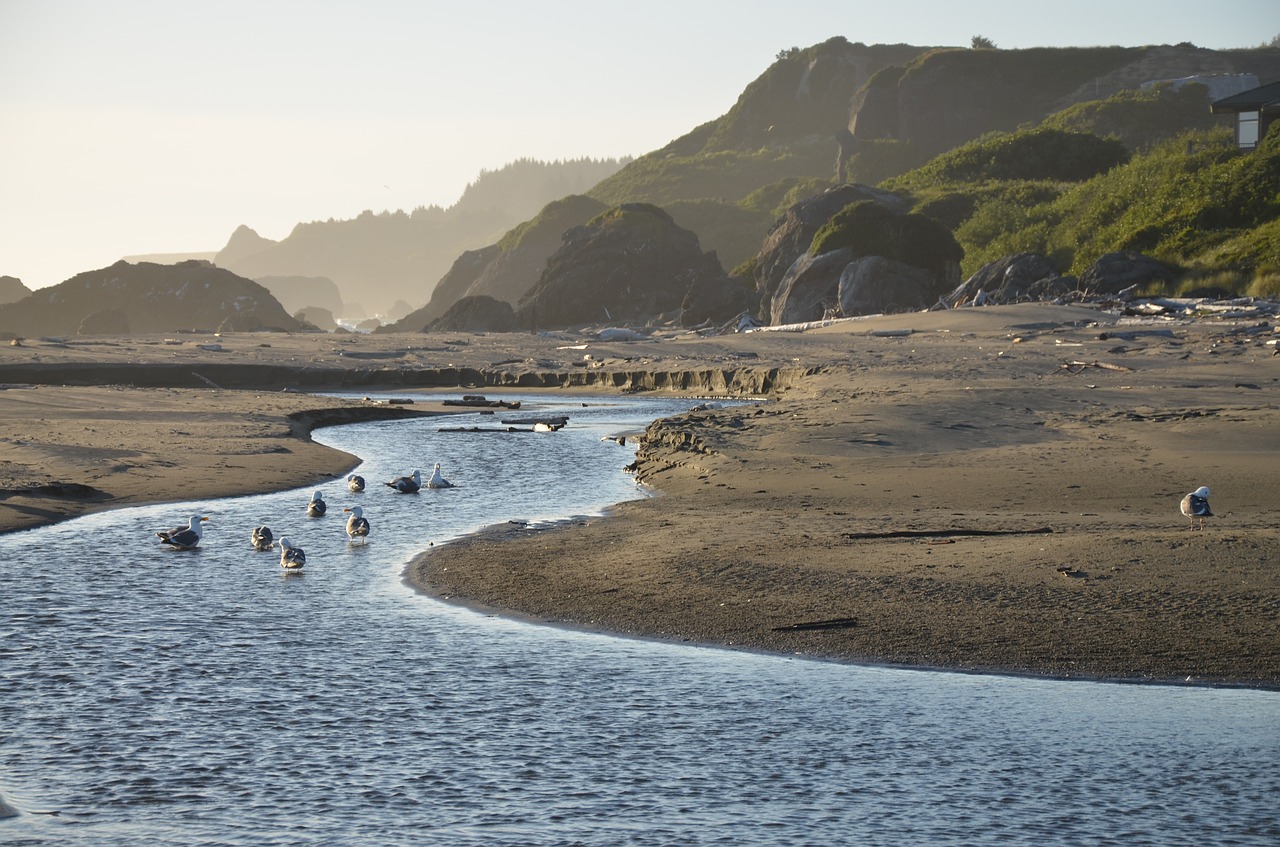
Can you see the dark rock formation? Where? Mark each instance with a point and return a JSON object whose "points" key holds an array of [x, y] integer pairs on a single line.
{"points": [[1114, 272], [508, 269], [316, 316], [793, 234], [477, 313], [809, 291], [921, 260], [156, 298], [106, 322], [299, 292], [244, 242], [12, 290], [717, 301], [631, 264], [876, 285], [1016, 278]]}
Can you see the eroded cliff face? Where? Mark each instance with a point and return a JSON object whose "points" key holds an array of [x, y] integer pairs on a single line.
{"points": [[948, 97]]}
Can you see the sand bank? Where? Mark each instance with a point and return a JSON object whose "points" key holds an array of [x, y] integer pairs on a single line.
{"points": [[994, 490]]}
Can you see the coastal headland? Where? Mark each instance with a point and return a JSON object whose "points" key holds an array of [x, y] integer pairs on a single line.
{"points": [[986, 489]]}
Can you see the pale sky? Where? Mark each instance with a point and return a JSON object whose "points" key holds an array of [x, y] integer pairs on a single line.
{"points": [[159, 126]]}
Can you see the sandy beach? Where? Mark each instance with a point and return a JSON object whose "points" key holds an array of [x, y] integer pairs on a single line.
{"points": [[983, 489]]}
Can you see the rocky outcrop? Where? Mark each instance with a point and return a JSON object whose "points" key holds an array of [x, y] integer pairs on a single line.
{"points": [[946, 98], [155, 298], [865, 259], [106, 322], [476, 314], [300, 292], [875, 285], [631, 264], [793, 234], [243, 243], [12, 290], [506, 270], [317, 317], [1114, 272], [1013, 279]]}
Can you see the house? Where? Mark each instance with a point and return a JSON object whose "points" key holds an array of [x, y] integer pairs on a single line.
{"points": [[1254, 109]]}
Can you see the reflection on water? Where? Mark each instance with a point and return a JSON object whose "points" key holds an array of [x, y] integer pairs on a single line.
{"points": [[149, 695]]}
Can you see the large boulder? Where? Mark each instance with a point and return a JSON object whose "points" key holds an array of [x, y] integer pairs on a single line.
{"points": [[810, 290], [1114, 272], [476, 314], [793, 233], [1013, 279], [874, 285], [631, 264], [191, 295]]}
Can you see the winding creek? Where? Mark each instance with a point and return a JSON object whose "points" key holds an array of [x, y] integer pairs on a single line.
{"points": [[167, 698]]}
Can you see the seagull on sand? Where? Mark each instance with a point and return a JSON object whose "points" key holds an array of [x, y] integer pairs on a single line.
{"points": [[1196, 505], [357, 524], [291, 558], [261, 538], [317, 506], [355, 483], [437, 479], [184, 537], [407, 484]]}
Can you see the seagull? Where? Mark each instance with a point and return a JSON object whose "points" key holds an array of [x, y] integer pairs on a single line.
{"points": [[437, 479], [184, 537], [1196, 505], [316, 507], [261, 538], [357, 524], [291, 558], [355, 483], [407, 484]]}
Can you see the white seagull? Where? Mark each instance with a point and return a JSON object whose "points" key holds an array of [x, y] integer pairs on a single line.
{"points": [[291, 558], [261, 538], [355, 483], [184, 537], [357, 524], [407, 484], [1196, 505], [437, 479], [317, 506]]}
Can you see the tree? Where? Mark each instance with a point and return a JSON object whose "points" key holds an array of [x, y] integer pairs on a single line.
{"points": [[981, 42]]}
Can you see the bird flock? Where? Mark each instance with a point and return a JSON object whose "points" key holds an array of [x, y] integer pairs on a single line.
{"points": [[293, 557]]}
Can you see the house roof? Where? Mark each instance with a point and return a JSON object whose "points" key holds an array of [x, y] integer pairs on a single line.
{"points": [[1247, 101]]}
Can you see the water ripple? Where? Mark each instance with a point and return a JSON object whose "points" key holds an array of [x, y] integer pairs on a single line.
{"points": [[171, 698]]}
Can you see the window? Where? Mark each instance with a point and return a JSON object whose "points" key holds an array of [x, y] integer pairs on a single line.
{"points": [[1247, 130]]}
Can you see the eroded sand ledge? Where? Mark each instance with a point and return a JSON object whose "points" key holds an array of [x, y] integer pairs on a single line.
{"points": [[853, 515]]}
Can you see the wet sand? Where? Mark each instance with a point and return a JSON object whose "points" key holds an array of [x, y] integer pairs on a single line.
{"points": [[997, 490]]}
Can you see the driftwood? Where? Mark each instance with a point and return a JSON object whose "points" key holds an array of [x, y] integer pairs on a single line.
{"points": [[944, 533], [479, 400], [1074, 368]]}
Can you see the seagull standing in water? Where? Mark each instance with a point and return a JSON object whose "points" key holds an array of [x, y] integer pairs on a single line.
{"points": [[184, 537], [317, 506], [437, 479], [291, 558], [355, 483], [357, 524], [261, 538], [407, 484], [1196, 505]]}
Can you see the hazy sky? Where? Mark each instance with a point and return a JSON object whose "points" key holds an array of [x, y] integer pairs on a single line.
{"points": [[159, 126]]}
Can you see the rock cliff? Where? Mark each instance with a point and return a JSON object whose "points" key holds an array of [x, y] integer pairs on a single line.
{"points": [[147, 298]]}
